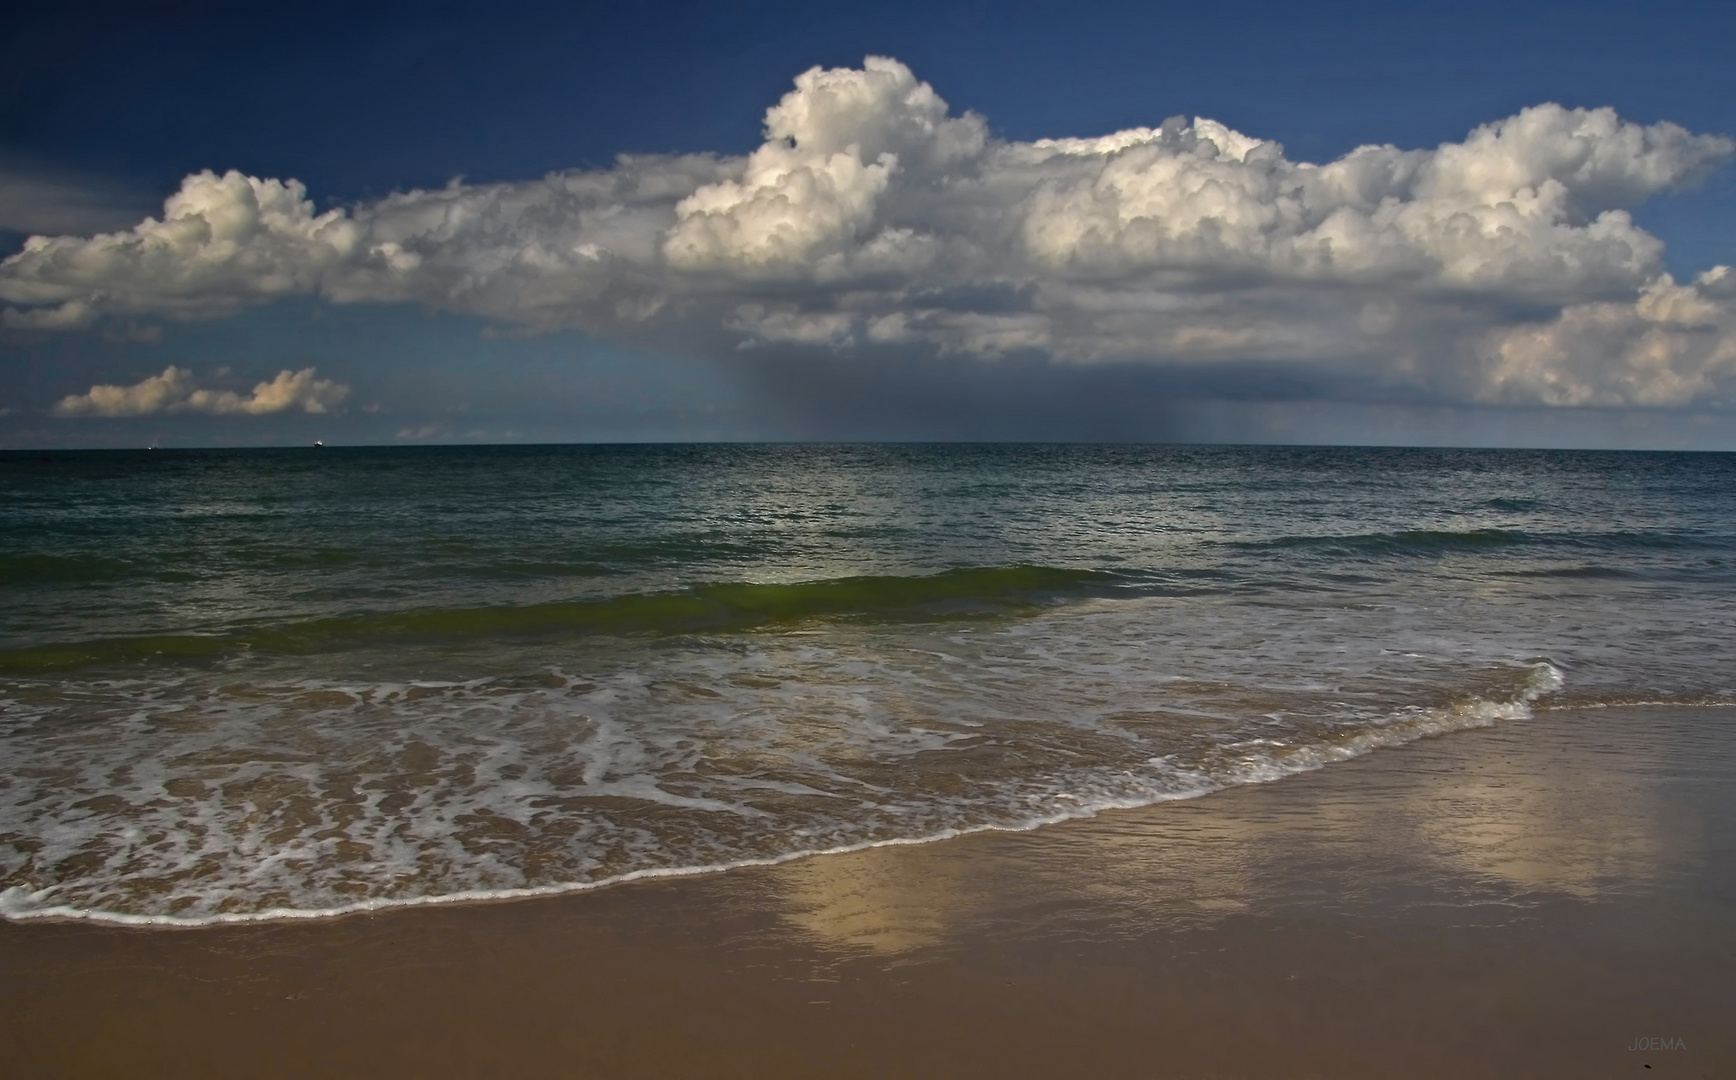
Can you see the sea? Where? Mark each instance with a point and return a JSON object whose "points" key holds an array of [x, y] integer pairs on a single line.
{"points": [[292, 683]]}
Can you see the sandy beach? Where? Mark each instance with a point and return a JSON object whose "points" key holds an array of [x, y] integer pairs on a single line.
{"points": [[1534, 899]]}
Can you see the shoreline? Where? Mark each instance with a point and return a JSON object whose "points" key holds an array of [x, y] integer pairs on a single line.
{"points": [[1529, 898], [1475, 715]]}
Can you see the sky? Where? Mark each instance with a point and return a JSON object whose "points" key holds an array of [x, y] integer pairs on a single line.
{"points": [[1444, 224]]}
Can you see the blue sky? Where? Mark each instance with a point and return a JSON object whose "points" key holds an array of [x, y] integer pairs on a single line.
{"points": [[1224, 327]]}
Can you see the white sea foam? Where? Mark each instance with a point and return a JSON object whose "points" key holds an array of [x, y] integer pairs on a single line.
{"points": [[198, 800]]}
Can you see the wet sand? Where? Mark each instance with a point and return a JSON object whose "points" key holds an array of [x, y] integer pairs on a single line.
{"points": [[1528, 900]]}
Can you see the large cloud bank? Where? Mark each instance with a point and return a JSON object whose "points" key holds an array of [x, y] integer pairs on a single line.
{"points": [[1503, 268]]}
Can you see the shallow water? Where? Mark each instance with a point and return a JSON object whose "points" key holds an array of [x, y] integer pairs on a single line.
{"points": [[238, 684]]}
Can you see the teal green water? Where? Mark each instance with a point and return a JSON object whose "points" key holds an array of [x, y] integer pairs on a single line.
{"points": [[239, 684]]}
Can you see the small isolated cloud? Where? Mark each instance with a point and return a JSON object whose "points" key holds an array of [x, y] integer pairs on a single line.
{"points": [[873, 222], [174, 391], [74, 314], [42, 199]]}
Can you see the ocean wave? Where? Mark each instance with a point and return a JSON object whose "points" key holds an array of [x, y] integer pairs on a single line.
{"points": [[39, 567], [731, 606], [1439, 542]]}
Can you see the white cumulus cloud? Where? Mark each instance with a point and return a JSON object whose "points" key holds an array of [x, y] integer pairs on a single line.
{"points": [[174, 391], [222, 242], [1674, 345], [1503, 267]]}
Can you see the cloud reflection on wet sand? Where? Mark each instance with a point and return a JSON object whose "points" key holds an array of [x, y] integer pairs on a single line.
{"points": [[1581, 805]]}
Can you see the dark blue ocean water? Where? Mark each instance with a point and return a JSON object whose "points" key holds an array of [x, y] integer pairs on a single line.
{"points": [[238, 683]]}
